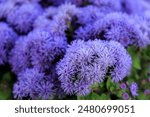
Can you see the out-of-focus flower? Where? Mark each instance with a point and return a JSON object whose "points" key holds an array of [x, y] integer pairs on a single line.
{"points": [[118, 27], [131, 7], [5, 9], [147, 92], [148, 79], [43, 21], [133, 89], [63, 18], [89, 14], [123, 86], [7, 40], [107, 5], [22, 17], [125, 96]]}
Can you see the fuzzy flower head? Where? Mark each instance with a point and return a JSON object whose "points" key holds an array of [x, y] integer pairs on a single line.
{"points": [[5, 8], [121, 62], [43, 21], [133, 89], [62, 19], [32, 83], [86, 63], [2, 1], [22, 17], [144, 33], [89, 14], [7, 39], [39, 49], [107, 5], [118, 27], [132, 7]]}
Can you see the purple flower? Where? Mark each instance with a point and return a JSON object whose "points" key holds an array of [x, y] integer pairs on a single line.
{"points": [[133, 89], [107, 5], [22, 17], [39, 49], [5, 8], [132, 7], [123, 86], [86, 63], [32, 83], [118, 27], [125, 96], [63, 18], [121, 62], [148, 79], [89, 14], [2, 1], [7, 40], [147, 92], [44, 20]]}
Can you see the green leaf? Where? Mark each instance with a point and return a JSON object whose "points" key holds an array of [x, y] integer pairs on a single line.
{"points": [[112, 89], [91, 96], [101, 85], [136, 62], [96, 85], [142, 96], [135, 57], [119, 94], [104, 97], [109, 83]]}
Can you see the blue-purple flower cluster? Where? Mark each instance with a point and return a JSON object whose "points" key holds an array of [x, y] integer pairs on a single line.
{"points": [[86, 63], [63, 47]]}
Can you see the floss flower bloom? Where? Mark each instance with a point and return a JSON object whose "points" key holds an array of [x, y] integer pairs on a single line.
{"points": [[133, 89], [5, 8], [7, 39], [39, 49], [118, 27], [22, 17], [32, 83], [93, 14], [86, 63], [64, 16], [107, 5]]}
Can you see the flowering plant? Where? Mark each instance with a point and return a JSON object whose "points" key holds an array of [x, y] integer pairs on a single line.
{"points": [[75, 49]]}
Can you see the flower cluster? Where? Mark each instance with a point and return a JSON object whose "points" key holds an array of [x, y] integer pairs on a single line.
{"points": [[58, 48], [118, 27], [38, 49], [86, 63], [22, 17]]}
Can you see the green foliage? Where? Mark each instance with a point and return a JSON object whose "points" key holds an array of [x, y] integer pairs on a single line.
{"points": [[94, 96]]}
